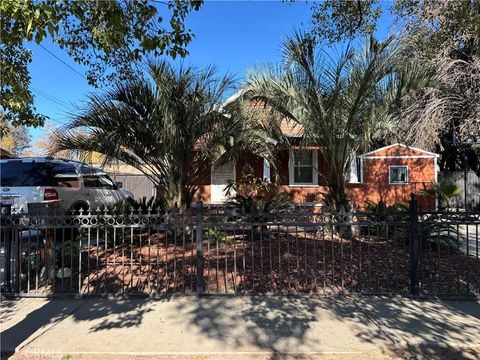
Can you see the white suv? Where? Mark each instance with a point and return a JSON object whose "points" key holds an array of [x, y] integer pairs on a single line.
{"points": [[72, 185]]}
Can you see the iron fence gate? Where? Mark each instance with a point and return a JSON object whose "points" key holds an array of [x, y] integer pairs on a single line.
{"points": [[223, 251]]}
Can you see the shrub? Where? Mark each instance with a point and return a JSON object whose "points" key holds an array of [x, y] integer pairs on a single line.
{"points": [[380, 214], [255, 196], [444, 189]]}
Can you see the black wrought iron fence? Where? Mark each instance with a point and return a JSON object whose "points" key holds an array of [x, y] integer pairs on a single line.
{"points": [[222, 251]]}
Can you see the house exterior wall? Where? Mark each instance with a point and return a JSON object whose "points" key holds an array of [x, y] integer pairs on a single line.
{"points": [[374, 188]]}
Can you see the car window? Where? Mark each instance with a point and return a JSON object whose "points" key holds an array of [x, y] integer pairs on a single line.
{"points": [[18, 173], [88, 170], [65, 175], [59, 168], [99, 181]]}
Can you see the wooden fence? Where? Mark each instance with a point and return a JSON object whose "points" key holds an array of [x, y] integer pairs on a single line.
{"points": [[138, 184], [473, 188]]}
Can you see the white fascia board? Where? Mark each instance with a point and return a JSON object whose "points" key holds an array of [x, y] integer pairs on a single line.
{"points": [[402, 145], [400, 157]]}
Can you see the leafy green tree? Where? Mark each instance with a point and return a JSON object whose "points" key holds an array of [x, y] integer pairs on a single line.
{"points": [[107, 37], [339, 20], [454, 23], [170, 126], [442, 36], [340, 104]]}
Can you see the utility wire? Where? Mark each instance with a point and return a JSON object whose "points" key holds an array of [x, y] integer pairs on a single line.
{"points": [[63, 62], [55, 100], [51, 98]]}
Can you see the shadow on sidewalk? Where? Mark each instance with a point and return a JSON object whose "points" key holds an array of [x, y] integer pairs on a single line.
{"points": [[410, 329], [278, 324], [33, 321], [126, 313], [429, 329]]}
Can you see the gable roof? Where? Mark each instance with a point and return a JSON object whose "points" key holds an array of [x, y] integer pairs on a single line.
{"points": [[390, 151]]}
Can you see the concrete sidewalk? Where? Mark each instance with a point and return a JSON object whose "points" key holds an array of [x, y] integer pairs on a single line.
{"points": [[264, 327]]}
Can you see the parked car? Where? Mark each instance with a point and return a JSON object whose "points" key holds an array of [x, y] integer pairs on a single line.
{"points": [[72, 185]]}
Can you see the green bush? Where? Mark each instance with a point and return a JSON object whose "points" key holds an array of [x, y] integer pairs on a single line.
{"points": [[444, 189], [434, 231], [255, 196], [215, 235], [380, 214]]}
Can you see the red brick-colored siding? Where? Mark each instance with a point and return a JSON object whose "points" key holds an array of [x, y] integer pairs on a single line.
{"points": [[374, 188]]}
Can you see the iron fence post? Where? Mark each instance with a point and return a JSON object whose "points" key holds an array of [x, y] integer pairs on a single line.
{"points": [[414, 248], [199, 236], [8, 260]]}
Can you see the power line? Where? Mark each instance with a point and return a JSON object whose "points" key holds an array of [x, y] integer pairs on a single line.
{"points": [[50, 97], [63, 62], [55, 100]]}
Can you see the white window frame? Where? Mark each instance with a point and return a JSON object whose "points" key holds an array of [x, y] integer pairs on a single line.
{"points": [[266, 171], [359, 170], [389, 175], [291, 169]]}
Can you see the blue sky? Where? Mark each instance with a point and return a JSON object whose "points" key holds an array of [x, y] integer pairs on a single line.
{"points": [[234, 35]]}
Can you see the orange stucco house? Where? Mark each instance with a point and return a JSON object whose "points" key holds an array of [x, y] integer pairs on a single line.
{"points": [[392, 173], [389, 174]]}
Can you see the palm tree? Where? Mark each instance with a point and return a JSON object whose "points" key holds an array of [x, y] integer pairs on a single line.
{"points": [[170, 126], [341, 105]]}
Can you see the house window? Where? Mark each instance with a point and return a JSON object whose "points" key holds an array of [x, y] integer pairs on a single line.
{"points": [[398, 174], [302, 169]]}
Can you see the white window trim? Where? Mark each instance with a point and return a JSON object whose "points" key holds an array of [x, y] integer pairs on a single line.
{"points": [[266, 171], [360, 179], [291, 174], [397, 183]]}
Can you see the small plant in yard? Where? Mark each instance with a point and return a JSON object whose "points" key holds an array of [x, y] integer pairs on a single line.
{"points": [[69, 251], [444, 189], [66, 254], [381, 212], [31, 259], [434, 231], [215, 235], [252, 195]]}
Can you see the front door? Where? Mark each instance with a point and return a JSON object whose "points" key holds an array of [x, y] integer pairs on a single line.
{"points": [[220, 176]]}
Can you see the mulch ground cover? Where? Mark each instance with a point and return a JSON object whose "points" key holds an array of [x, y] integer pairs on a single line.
{"points": [[265, 261]]}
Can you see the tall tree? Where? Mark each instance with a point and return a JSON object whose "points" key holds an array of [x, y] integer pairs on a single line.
{"points": [[107, 37], [171, 127], [340, 104], [339, 20], [17, 140], [443, 36]]}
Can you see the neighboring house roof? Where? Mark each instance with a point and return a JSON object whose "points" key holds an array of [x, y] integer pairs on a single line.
{"points": [[5, 154], [399, 151]]}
